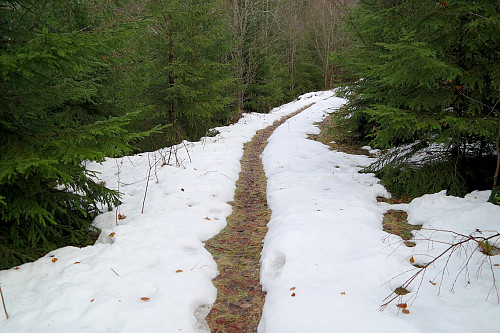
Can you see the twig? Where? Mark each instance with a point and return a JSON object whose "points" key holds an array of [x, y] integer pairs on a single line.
{"points": [[169, 155], [494, 286], [451, 249], [196, 264], [187, 151], [147, 184], [156, 168], [118, 189], [220, 173], [173, 151], [465, 267], [115, 272], [3, 302]]}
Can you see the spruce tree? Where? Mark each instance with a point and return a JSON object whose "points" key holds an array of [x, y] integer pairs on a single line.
{"points": [[189, 81], [53, 118], [429, 73]]}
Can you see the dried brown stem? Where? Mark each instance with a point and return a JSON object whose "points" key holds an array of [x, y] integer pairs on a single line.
{"points": [[3, 303], [147, 184]]}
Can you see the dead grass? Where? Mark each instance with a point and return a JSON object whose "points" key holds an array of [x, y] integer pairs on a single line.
{"points": [[335, 135], [237, 248], [396, 222]]}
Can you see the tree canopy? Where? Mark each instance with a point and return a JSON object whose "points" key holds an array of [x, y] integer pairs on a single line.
{"points": [[53, 118]]}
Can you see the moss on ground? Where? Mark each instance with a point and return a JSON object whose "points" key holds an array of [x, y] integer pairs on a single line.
{"points": [[396, 222]]}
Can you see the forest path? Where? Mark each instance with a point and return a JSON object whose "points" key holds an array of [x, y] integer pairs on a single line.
{"points": [[237, 247]]}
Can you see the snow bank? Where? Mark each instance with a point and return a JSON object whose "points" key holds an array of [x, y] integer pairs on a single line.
{"points": [[327, 265]]}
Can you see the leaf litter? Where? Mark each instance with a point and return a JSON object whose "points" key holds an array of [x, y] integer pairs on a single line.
{"points": [[237, 248]]}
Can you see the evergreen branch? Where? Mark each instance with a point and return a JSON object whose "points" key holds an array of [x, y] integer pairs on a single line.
{"points": [[462, 93]]}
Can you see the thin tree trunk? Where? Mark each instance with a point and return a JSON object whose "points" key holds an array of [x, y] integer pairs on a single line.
{"points": [[171, 78], [497, 171], [240, 72], [238, 24]]}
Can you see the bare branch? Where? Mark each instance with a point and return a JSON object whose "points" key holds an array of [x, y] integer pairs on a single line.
{"points": [[464, 240]]}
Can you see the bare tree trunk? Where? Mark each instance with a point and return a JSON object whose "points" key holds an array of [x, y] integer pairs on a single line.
{"points": [[239, 28], [324, 20], [238, 17]]}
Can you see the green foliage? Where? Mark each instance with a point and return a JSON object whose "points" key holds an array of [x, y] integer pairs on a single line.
{"points": [[429, 73], [78, 78], [277, 81], [488, 248], [188, 82], [199, 64], [53, 118], [268, 88], [405, 180], [495, 195]]}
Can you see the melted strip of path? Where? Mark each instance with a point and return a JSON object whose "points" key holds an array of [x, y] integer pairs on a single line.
{"points": [[237, 247]]}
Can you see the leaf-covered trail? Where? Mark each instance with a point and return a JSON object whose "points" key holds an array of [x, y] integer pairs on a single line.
{"points": [[237, 248]]}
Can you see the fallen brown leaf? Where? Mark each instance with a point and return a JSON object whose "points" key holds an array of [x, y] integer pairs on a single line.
{"points": [[145, 299]]}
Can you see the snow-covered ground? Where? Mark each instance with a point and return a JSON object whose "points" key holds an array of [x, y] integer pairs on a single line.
{"points": [[326, 265]]}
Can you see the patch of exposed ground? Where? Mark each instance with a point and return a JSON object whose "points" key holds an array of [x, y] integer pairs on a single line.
{"points": [[237, 248], [396, 222], [335, 135]]}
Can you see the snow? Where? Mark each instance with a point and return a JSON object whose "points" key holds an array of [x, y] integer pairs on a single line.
{"points": [[371, 150], [326, 264]]}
